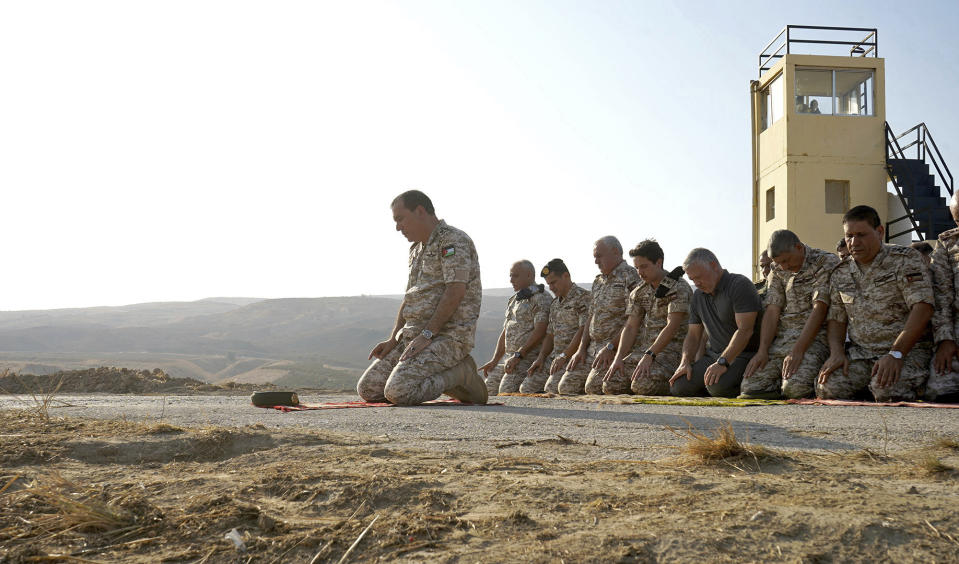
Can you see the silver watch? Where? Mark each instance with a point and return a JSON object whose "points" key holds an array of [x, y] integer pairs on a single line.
{"points": [[895, 354], [427, 333]]}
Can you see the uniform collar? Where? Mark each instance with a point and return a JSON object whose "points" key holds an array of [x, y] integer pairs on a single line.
{"points": [[434, 233]]}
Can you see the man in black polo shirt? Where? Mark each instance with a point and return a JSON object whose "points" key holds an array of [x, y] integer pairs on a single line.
{"points": [[730, 309]]}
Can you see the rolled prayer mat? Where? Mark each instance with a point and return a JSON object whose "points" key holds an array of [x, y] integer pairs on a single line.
{"points": [[269, 399]]}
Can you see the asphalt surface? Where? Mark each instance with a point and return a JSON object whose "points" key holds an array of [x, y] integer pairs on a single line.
{"points": [[543, 427]]}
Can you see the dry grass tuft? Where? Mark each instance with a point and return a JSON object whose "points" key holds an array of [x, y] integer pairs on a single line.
{"points": [[932, 466], [76, 510], [41, 399], [722, 446], [946, 442]]}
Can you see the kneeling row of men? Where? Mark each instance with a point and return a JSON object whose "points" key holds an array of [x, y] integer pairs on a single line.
{"points": [[857, 328]]}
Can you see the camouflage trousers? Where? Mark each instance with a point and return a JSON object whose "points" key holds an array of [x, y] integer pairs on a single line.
{"points": [[414, 380], [498, 382], [535, 383], [769, 381], [552, 381], [618, 384], [573, 381], [942, 384], [662, 369], [912, 379]]}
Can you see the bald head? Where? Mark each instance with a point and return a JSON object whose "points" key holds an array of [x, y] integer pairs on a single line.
{"points": [[522, 274], [954, 207]]}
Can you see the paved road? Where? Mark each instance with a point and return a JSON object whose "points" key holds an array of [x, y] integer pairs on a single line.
{"points": [[524, 426]]}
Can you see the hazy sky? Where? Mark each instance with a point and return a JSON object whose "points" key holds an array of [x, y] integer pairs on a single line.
{"points": [[154, 151]]}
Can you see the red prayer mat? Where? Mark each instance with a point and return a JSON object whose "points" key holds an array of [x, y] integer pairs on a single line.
{"points": [[811, 401], [360, 403]]}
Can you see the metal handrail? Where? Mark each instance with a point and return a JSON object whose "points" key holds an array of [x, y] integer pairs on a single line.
{"points": [[923, 142], [765, 56]]}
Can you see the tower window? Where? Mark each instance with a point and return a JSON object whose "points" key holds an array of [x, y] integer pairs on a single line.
{"points": [[771, 203], [837, 196], [848, 92], [772, 100]]}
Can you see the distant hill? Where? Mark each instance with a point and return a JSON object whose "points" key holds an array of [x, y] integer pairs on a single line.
{"points": [[241, 339]]}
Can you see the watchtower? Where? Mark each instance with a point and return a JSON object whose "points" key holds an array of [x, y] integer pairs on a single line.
{"points": [[821, 144]]}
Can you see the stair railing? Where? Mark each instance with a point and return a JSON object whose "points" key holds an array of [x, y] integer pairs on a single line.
{"points": [[894, 151], [923, 143]]}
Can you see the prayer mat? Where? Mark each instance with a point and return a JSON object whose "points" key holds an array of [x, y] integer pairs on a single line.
{"points": [[361, 403], [672, 400], [836, 402]]}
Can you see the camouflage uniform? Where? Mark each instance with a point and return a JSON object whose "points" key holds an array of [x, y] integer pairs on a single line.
{"points": [[566, 316], [793, 292], [607, 315], [945, 321], [875, 301], [448, 256], [653, 312], [521, 317]]}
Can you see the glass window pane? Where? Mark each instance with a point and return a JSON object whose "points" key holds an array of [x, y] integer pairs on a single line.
{"points": [[854, 93], [771, 203], [813, 91], [773, 102]]}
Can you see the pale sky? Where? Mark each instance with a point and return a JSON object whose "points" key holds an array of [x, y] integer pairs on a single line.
{"points": [[156, 151]]}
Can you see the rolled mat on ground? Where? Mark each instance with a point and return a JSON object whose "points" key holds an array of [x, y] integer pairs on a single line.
{"points": [[360, 403]]}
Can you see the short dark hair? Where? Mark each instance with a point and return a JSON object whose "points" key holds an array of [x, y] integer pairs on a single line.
{"points": [[555, 266], [841, 244], [648, 249], [862, 213], [923, 247], [411, 199]]}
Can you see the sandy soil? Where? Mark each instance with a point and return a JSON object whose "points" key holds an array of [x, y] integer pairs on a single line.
{"points": [[123, 491]]}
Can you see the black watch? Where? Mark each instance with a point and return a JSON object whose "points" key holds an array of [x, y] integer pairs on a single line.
{"points": [[650, 353], [723, 362]]}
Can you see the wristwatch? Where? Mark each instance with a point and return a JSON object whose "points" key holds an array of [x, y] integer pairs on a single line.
{"points": [[650, 353], [610, 347], [895, 354], [427, 333], [723, 362], [517, 355], [561, 355]]}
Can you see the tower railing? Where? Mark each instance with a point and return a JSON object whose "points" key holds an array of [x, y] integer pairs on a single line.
{"points": [[782, 44]]}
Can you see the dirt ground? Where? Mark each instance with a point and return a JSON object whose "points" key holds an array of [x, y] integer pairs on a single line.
{"points": [[121, 491]]}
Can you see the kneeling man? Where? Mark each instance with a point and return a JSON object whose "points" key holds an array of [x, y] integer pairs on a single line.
{"points": [[883, 295], [428, 352], [527, 314]]}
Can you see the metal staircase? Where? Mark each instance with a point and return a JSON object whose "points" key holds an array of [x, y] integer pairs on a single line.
{"points": [[918, 186]]}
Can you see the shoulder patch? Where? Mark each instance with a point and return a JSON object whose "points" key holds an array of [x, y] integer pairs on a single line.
{"points": [[914, 277], [449, 251]]}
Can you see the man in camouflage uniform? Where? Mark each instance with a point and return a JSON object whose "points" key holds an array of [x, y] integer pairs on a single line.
{"points": [[527, 313], [943, 384], [657, 312], [428, 352], [792, 342], [567, 318], [883, 295], [606, 317]]}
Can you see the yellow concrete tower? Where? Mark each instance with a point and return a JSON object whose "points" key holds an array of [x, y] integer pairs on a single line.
{"points": [[818, 134]]}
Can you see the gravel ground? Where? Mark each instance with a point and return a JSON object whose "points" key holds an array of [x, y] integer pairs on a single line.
{"points": [[524, 426]]}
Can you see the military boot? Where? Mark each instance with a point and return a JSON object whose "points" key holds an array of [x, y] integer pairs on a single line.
{"points": [[463, 382]]}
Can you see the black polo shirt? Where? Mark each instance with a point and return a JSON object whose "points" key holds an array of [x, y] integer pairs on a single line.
{"points": [[717, 311]]}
